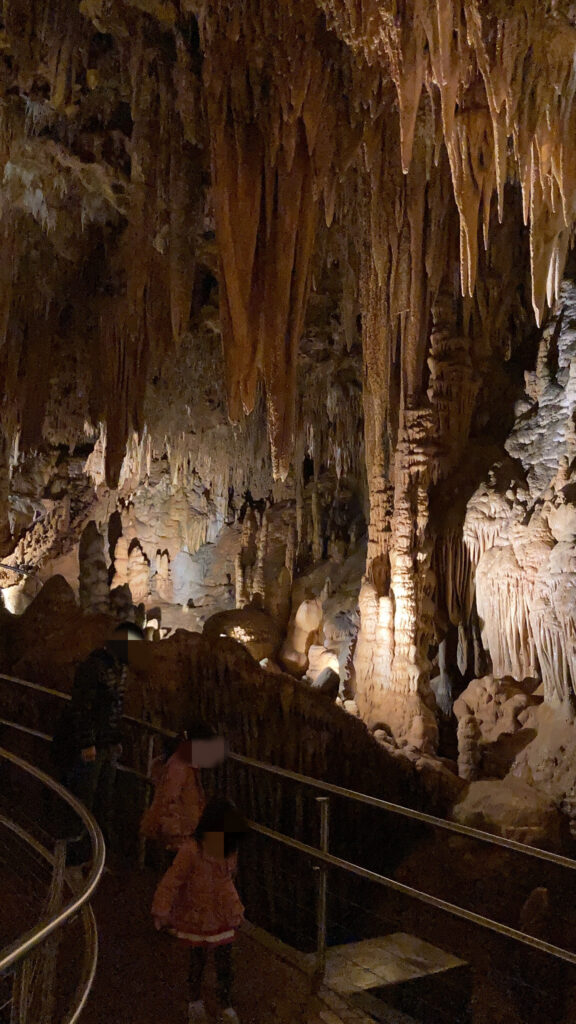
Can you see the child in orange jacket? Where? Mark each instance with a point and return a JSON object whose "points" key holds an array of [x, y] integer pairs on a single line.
{"points": [[197, 902], [179, 799]]}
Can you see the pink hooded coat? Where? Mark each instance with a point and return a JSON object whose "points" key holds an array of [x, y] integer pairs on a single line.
{"points": [[197, 898], [178, 801]]}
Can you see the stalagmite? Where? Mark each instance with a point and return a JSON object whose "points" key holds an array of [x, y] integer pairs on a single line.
{"points": [[121, 603], [293, 654], [121, 563], [94, 591], [164, 587], [138, 573], [469, 757]]}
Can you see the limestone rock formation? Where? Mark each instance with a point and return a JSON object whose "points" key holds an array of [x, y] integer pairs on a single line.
{"points": [[303, 629], [514, 810], [250, 627], [492, 713], [93, 589], [287, 327], [327, 682]]}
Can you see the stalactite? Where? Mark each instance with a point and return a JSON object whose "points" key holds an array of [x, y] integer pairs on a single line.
{"points": [[156, 252], [51, 40], [500, 79], [259, 585], [317, 535], [271, 161], [454, 570]]}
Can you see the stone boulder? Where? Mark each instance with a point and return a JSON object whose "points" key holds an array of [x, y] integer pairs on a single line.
{"points": [[512, 809]]}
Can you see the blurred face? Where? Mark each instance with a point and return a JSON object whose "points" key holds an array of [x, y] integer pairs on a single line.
{"points": [[124, 645], [208, 753]]}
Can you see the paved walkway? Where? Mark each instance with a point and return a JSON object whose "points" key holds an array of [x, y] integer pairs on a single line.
{"points": [[141, 976]]}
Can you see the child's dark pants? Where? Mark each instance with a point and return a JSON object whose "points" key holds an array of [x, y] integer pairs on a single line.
{"points": [[223, 963]]}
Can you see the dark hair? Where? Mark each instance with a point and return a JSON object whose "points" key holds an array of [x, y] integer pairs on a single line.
{"points": [[170, 745], [198, 730], [130, 627], [221, 815]]}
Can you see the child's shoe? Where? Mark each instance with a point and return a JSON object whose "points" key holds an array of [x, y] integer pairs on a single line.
{"points": [[230, 1016], [197, 1013]]}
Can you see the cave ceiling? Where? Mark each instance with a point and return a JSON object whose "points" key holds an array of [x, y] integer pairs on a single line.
{"points": [[200, 202]]}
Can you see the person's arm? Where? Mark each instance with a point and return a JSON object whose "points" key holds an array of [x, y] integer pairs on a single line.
{"points": [[83, 709], [168, 888]]}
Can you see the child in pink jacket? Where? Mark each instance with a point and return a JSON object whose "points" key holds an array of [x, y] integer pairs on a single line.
{"points": [[179, 798], [197, 902]]}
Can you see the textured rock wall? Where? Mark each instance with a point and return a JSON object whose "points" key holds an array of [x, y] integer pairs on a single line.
{"points": [[522, 537], [307, 239]]}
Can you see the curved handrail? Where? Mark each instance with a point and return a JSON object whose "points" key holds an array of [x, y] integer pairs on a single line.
{"points": [[24, 944], [323, 856], [89, 966], [328, 787]]}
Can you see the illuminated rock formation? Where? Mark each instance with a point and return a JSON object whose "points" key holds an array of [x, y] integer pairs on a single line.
{"points": [[93, 589], [301, 633], [302, 252]]}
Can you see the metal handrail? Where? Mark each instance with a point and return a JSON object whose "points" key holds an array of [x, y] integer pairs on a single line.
{"points": [[328, 787], [89, 966], [90, 960], [423, 897], [23, 945], [324, 857]]}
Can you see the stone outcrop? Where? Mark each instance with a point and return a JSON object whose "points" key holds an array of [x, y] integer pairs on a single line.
{"points": [[511, 809]]}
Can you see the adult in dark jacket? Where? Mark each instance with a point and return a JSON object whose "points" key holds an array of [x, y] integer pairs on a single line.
{"points": [[88, 741]]}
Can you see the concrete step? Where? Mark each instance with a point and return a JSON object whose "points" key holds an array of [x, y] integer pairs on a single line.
{"points": [[399, 979]]}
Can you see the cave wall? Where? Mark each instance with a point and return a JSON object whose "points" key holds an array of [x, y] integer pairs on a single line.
{"points": [[303, 250]]}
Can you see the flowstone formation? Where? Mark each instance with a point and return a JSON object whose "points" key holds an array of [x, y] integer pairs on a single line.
{"points": [[286, 314]]}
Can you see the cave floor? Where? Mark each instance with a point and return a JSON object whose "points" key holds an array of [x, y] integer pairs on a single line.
{"points": [[141, 974]]}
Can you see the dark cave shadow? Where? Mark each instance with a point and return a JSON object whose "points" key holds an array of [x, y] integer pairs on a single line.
{"points": [[498, 757]]}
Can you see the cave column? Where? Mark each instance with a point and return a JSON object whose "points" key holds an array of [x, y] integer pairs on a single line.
{"points": [[396, 602]]}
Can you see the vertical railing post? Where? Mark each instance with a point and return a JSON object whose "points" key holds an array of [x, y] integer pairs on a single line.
{"points": [[147, 791], [321, 915], [21, 991], [48, 951]]}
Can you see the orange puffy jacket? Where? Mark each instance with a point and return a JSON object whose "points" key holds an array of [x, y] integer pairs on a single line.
{"points": [[197, 898], [178, 801]]}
